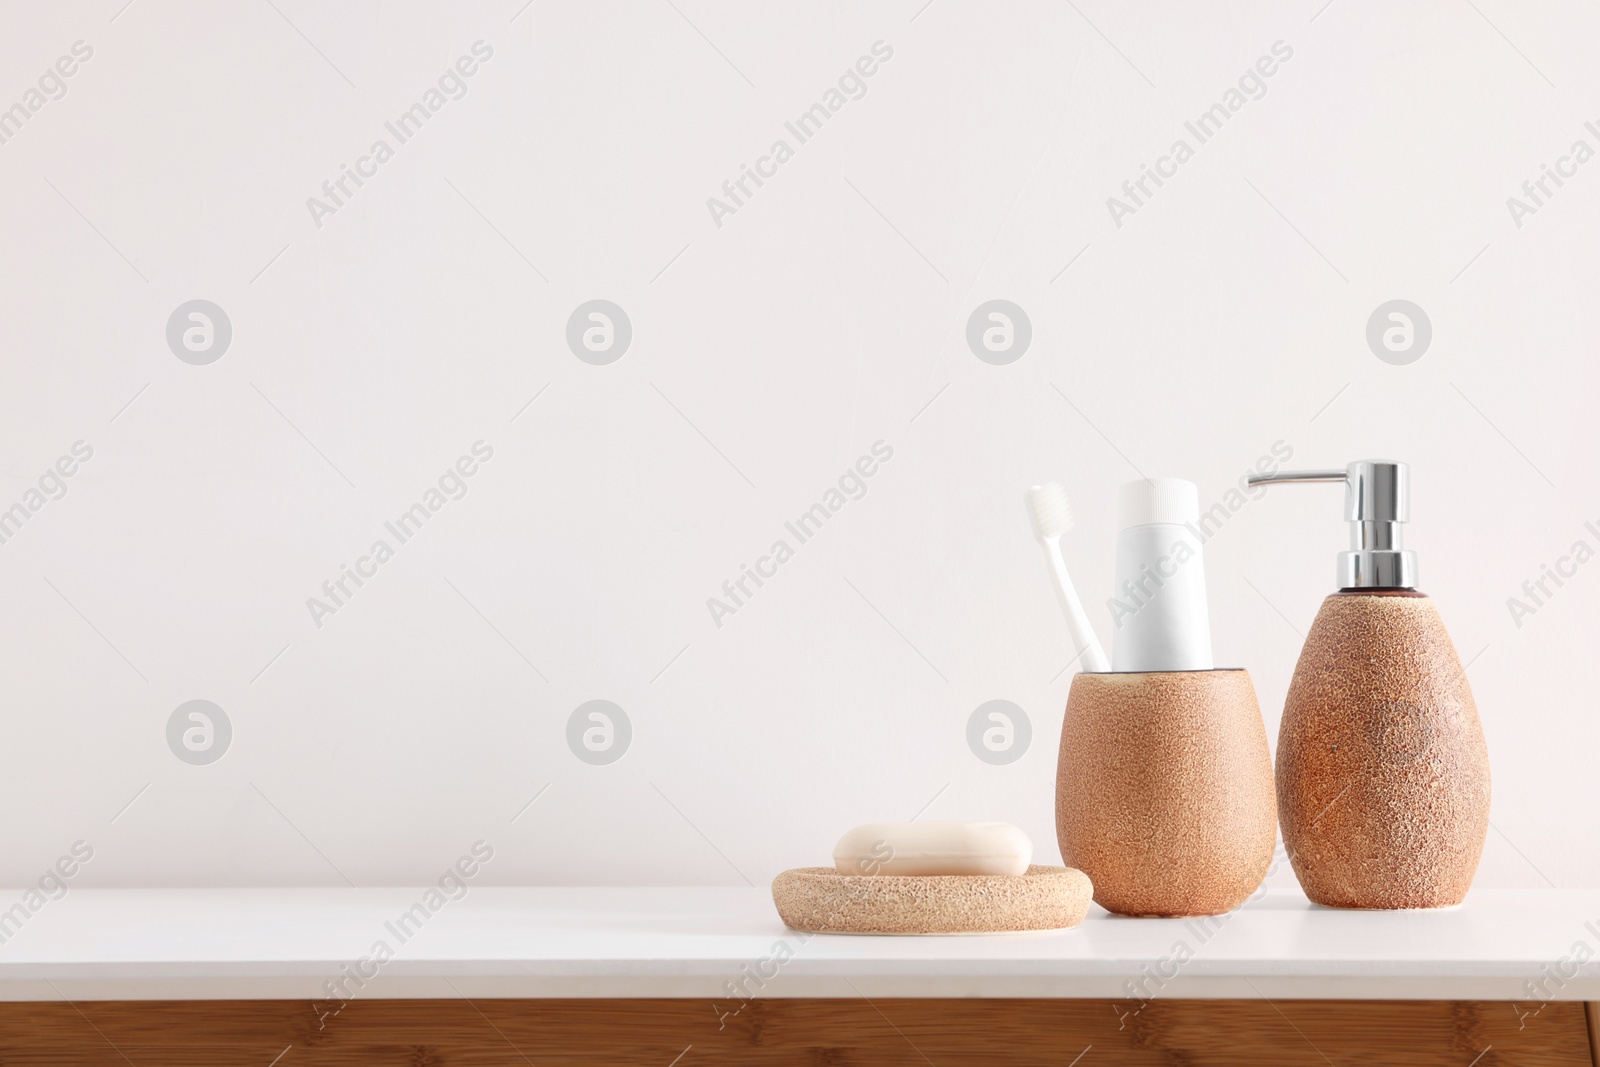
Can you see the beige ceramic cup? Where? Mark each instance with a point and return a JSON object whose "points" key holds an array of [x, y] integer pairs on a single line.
{"points": [[1164, 790]]}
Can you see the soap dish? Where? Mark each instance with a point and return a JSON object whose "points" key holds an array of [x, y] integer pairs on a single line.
{"points": [[821, 900]]}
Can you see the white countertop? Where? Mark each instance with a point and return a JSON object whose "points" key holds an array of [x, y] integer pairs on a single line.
{"points": [[161, 944]]}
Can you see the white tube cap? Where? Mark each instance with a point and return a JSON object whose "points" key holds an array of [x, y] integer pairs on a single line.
{"points": [[1159, 607], [1152, 501]]}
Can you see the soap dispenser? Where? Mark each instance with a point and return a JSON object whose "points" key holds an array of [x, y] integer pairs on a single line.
{"points": [[1382, 771]]}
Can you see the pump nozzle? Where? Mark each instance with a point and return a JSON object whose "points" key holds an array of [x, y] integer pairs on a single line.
{"points": [[1376, 501]]}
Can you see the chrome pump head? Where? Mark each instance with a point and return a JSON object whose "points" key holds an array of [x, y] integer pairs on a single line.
{"points": [[1376, 501]]}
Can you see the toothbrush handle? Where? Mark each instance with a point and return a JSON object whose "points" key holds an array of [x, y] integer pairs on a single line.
{"points": [[1091, 657]]}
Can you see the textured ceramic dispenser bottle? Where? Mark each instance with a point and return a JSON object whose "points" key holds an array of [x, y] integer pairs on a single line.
{"points": [[1383, 775]]}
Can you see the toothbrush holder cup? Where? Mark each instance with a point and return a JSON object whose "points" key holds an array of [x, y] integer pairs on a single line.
{"points": [[1164, 790]]}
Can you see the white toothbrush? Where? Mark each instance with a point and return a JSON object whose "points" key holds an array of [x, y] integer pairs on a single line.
{"points": [[1052, 517]]}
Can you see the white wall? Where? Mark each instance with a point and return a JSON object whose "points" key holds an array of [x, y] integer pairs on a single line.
{"points": [[768, 353]]}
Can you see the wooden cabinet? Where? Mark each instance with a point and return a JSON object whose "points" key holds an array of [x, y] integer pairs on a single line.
{"points": [[773, 1032]]}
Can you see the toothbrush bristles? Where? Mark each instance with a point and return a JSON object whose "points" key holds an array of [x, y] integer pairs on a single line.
{"points": [[1049, 509]]}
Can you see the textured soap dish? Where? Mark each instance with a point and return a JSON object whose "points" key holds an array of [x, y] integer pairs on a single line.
{"points": [[821, 900]]}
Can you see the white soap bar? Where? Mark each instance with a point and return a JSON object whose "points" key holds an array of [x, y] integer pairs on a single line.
{"points": [[933, 848]]}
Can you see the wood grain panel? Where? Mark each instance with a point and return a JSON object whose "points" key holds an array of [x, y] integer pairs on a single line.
{"points": [[791, 1033]]}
